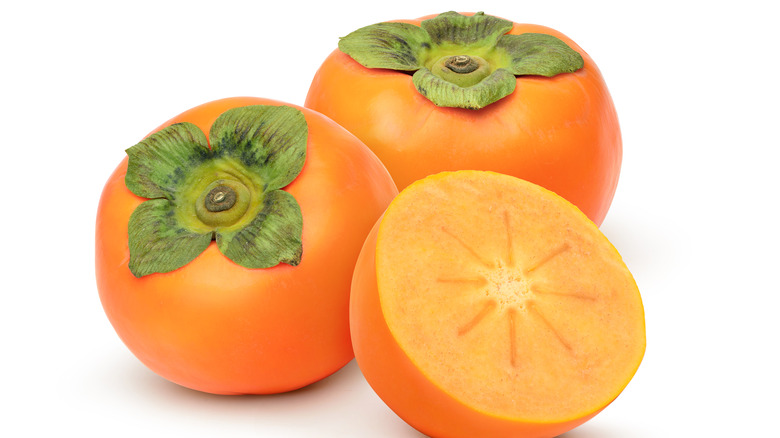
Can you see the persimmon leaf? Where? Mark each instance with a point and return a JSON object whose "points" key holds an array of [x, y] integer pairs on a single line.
{"points": [[478, 30], [499, 84], [159, 164], [397, 46], [269, 141], [158, 243], [539, 54], [272, 237]]}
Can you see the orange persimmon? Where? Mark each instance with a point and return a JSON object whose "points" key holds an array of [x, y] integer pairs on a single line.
{"points": [[472, 91], [485, 305], [225, 245]]}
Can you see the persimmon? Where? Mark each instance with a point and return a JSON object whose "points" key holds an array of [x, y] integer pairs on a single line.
{"points": [[486, 305], [473, 91], [226, 241]]}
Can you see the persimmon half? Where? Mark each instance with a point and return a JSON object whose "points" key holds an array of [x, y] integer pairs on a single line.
{"points": [[473, 91], [485, 305], [225, 245]]}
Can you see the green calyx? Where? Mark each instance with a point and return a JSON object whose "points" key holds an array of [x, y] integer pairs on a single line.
{"points": [[461, 61], [229, 193]]}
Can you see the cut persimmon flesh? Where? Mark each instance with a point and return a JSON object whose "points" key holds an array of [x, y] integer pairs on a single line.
{"points": [[485, 305]]}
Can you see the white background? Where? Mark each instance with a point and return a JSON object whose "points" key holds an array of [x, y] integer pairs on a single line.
{"points": [[695, 214]]}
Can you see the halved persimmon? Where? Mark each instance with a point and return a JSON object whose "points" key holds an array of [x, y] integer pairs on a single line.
{"points": [[485, 305]]}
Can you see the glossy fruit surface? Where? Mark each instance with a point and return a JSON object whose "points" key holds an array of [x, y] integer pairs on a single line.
{"points": [[484, 305], [216, 326], [560, 132]]}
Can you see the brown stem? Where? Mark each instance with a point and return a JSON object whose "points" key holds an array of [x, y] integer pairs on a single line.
{"points": [[461, 64], [220, 198]]}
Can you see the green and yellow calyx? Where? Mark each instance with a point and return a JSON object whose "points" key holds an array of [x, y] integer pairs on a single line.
{"points": [[461, 61], [229, 193]]}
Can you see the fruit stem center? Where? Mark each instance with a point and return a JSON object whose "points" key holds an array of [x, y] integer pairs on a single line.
{"points": [[220, 198], [461, 64], [461, 70], [223, 203]]}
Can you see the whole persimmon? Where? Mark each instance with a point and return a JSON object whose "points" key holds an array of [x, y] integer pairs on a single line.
{"points": [[226, 241], [473, 91], [486, 306]]}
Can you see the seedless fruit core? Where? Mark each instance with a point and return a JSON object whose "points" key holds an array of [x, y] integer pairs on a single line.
{"points": [[507, 288]]}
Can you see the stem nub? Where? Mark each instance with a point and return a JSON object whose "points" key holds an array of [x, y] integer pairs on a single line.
{"points": [[220, 198], [223, 203], [461, 70], [461, 64]]}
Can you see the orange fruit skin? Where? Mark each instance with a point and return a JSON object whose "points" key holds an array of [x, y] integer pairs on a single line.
{"points": [[561, 133], [404, 388], [217, 327]]}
